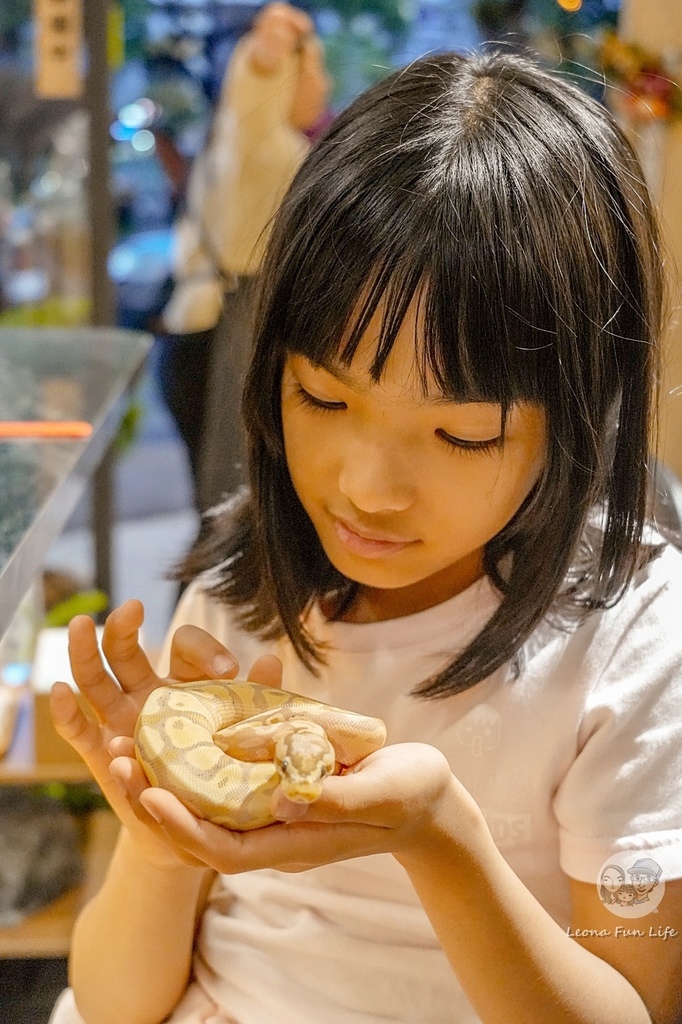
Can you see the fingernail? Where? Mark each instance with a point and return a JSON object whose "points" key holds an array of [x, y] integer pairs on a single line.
{"points": [[222, 664]]}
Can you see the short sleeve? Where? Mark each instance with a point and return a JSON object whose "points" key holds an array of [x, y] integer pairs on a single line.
{"points": [[623, 791]]}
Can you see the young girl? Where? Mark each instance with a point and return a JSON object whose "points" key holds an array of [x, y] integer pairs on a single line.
{"points": [[449, 411]]}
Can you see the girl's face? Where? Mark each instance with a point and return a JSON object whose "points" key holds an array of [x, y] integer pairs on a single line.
{"points": [[404, 490]]}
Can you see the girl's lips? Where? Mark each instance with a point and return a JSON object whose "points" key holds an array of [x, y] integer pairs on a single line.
{"points": [[367, 547]]}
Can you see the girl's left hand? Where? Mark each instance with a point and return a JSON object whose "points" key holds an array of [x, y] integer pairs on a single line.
{"points": [[394, 801]]}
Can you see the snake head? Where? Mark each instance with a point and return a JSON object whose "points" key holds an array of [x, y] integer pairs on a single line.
{"points": [[303, 757]]}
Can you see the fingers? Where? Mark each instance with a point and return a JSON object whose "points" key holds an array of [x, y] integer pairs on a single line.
{"points": [[83, 735], [178, 824], [292, 847], [148, 803], [129, 776], [195, 655], [121, 646], [87, 666], [266, 670], [132, 784], [287, 810], [122, 746], [394, 789], [342, 800], [69, 720]]}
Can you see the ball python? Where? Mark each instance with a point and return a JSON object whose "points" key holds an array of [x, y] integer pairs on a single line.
{"points": [[223, 747]]}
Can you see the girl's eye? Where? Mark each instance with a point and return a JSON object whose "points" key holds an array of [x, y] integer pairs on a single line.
{"points": [[319, 404], [462, 444]]}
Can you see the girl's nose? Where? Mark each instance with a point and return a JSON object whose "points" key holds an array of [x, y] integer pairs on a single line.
{"points": [[375, 480]]}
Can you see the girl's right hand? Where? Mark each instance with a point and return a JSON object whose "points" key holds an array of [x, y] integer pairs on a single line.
{"points": [[113, 705]]}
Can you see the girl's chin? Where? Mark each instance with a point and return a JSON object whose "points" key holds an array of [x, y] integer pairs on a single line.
{"points": [[380, 573]]}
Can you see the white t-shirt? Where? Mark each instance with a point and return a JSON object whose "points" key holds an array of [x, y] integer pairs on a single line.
{"points": [[575, 762]]}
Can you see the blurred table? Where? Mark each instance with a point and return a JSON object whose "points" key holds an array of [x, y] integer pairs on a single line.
{"points": [[58, 374]]}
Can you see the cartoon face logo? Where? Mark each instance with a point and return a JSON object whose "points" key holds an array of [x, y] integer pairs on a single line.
{"points": [[626, 896], [480, 729], [644, 875], [631, 888], [612, 878]]}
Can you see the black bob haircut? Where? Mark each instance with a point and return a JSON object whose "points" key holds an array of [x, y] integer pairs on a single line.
{"points": [[511, 204]]}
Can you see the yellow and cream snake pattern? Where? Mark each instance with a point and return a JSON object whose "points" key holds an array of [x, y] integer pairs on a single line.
{"points": [[223, 747]]}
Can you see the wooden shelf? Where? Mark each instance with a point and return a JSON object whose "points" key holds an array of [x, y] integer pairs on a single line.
{"points": [[47, 933], [37, 754]]}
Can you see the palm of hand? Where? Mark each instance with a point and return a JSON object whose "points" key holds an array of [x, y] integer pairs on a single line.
{"points": [[103, 738], [394, 801]]}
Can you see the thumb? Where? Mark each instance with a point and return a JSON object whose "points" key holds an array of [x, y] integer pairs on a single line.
{"points": [[344, 798], [383, 789], [195, 655]]}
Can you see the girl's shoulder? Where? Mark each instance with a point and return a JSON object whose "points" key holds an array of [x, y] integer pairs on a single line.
{"points": [[656, 588], [654, 592], [644, 617], [648, 613]]}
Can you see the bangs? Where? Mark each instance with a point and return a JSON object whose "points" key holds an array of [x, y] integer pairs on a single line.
{"points": [[518, 246], [451, 358], [470, 343], [499, 263]]}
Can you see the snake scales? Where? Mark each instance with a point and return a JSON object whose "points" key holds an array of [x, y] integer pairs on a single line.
{"points": [[223, 747]]}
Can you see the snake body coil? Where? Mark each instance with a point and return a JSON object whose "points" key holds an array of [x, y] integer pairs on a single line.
{"points": [[223, 747]]}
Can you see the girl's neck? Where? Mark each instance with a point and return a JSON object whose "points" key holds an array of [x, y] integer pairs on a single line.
{"points": [[373, 604]]}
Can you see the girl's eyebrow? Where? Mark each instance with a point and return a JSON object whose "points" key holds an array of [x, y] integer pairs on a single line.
{"points": [[346, 378], [334, 370]]}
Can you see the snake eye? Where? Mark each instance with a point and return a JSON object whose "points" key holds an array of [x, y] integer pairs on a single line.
{"points": [[323, 770], [284, 764]]}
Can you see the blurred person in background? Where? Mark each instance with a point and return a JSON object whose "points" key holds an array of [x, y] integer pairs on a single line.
{"points": [[272, 103]]}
